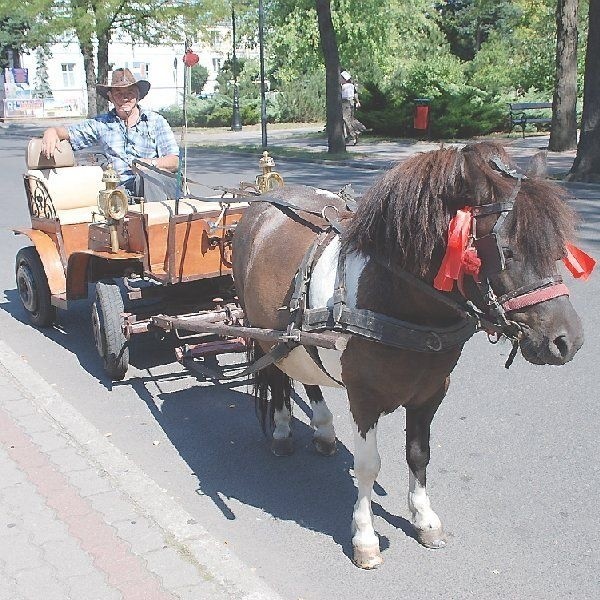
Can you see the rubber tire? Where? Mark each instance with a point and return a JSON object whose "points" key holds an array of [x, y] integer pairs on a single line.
{"points": [[33, 289], [108, 333]]}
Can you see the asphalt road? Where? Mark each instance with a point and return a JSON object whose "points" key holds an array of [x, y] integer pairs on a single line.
{"points": [[515, 469]]}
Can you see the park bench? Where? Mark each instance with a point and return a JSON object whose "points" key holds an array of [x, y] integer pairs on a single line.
{"points": [[519, 114]]}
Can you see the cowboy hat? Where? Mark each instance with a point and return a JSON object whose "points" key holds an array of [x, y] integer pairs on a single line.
{"points": [[123, 78]]}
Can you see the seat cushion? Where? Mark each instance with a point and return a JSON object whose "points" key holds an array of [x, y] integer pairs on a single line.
{"points": [[71, 188], [161, 212]]}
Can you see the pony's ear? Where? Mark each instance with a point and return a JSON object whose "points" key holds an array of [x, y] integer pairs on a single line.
{"points": [[538, 165]]}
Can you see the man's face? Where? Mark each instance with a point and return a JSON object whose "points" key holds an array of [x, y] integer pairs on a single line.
{"points": [[124, 99]]}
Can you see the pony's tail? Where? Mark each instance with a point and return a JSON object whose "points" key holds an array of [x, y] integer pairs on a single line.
{"points": [[268, 379]]}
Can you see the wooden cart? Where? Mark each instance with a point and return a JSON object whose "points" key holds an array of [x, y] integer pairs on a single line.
{"points": [[173, 252]]}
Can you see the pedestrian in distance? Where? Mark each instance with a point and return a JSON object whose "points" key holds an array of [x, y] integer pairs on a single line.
{"points": [[126, 133], [350, 102]]}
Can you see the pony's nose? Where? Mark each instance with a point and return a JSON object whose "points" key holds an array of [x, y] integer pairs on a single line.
{"points": [[563, 347], [560, 346]]}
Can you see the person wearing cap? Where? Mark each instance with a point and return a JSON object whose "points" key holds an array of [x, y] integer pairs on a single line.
{"points": [[126, 133], [350, 102]]}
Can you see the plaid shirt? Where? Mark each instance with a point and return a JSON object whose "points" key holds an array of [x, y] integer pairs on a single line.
{"points": [[150, 137]]}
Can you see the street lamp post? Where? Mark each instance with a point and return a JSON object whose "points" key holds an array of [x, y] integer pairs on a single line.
{"points": [[236, 121], [263, 100]]}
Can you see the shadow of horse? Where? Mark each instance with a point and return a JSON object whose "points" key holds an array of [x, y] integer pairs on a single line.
{"points": [[215, 431]]}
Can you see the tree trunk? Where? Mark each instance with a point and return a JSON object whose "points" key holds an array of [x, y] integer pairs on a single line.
{"points": [[335, 125], [103, 67], [87, 49], [587, 162], [563, 134]]}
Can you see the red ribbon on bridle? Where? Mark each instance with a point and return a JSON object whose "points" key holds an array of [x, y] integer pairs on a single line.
{"points": [[578, 262], [461, 257]]}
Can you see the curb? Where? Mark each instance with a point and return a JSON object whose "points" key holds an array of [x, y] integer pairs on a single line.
{"points": [[236, 580]]}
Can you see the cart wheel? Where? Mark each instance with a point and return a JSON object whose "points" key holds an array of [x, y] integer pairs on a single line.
{"points": [[108, 333], [32, 285]]}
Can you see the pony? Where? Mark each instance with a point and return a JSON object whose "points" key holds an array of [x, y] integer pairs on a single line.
{"points": [[302, 262]]}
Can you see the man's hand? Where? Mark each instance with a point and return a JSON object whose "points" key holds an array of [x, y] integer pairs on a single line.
{"points": [[50, 140]]}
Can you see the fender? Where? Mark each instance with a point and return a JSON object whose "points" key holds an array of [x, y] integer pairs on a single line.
{"points": [[55, 272]]}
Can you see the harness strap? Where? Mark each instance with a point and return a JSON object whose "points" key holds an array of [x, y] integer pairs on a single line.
{"points": [[536, 296], [389, 330]]}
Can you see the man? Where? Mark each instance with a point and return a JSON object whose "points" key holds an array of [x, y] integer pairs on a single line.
{"points": [[350, 102], [126, 133]]}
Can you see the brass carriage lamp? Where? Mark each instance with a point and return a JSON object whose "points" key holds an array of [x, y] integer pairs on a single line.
{"points": [[269, 179], [112, 204]]}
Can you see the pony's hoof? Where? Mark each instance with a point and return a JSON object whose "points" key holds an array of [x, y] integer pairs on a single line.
{"points": [[367, 558], [324, 447], [432, 538], [282, 447]]}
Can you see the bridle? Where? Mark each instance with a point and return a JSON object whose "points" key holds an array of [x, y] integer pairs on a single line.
{"points": [[494, 258]]}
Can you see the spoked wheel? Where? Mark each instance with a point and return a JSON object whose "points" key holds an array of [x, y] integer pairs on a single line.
{"points": [[108, 333], [32, 285]]}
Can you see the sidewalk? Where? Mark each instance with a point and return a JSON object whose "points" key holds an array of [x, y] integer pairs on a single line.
{"points": [[310, 144], [79, 521]]}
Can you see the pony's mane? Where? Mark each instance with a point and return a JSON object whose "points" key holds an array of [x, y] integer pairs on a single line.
{"points": [[404, 216]]}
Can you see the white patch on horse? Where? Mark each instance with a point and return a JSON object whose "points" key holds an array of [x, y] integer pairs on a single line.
{"points": [[298, 364], [367, 464], [264, 235], [326, 193], [423, 516]]}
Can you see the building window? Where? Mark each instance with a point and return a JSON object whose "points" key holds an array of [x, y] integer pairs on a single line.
{"points": [[216, 64], [140, 70], [68, 73]]}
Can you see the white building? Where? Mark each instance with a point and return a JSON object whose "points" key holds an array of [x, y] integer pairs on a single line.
{"points": [[162, 66]]}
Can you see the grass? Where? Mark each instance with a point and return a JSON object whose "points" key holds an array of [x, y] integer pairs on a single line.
{"points": [[280, 151]]}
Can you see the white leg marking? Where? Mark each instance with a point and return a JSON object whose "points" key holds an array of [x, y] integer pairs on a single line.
{"points": [[322, 421], [366, 468], [418, 502], [282, 420]]}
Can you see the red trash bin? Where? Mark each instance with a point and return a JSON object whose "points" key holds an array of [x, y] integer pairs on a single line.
{"points": [[421, 115]]}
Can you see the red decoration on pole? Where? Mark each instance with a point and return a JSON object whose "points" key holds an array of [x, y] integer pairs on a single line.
{"points": [[190, 58]]}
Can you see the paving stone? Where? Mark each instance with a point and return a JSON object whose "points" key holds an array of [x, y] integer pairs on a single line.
{"points": [[68, 459], [22, 497], [41, 582], [113, 506], [140, 535], [59, 553], [90, 482], [20, 407], [172, 568], [35, 423], [92, 586], [49, 440], [45, 527], [21, 555]]}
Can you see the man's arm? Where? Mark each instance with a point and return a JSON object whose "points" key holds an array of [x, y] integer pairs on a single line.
{"points": [[50, 139], [169, 162]]}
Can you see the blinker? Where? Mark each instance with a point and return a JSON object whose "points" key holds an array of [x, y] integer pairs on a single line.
{"points": [[491, 254]]}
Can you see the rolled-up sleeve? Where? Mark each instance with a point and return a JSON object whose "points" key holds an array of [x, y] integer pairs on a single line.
{"points": [[165, 138], [84, 134]]}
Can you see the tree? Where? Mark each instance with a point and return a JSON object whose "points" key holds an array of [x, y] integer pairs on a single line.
{"points": [[42, 88], [335, 126], [563, 134], [198, 78], [587, 162]]}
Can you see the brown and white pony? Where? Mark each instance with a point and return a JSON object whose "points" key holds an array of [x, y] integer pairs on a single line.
{"points": [[402, 224]]}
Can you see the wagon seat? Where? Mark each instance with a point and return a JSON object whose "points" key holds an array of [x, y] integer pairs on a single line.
{"points": [[58, 188], [160, 189]]}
